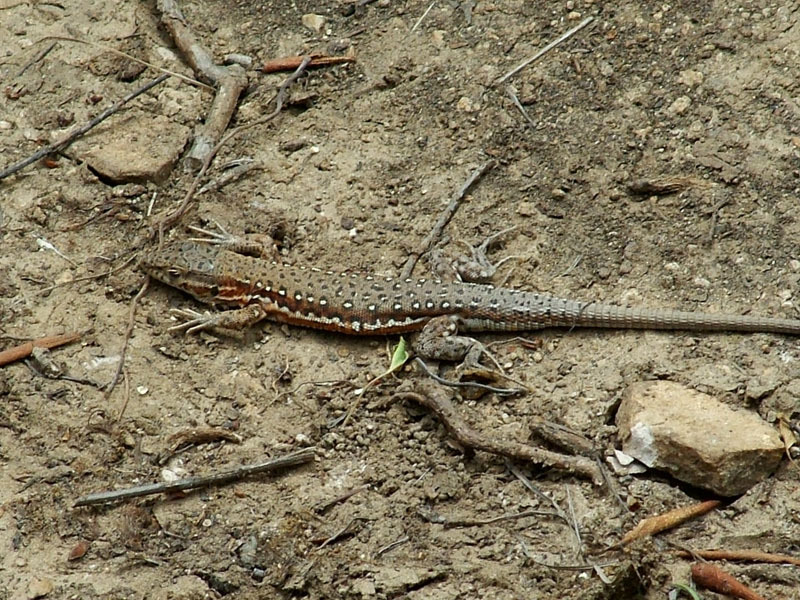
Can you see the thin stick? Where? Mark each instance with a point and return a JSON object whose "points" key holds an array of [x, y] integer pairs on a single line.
{"points": [[714, 218], [289, 63], [466, 384], [37, 58], [445, 217], [181, 485], [448, 523], [325, 505], [130, 57], [513, 95], [128, 332], [392, 546], [24, 350], [436, 400], [75, 134], [715, 579], [425, 14], [545, 50], [668, 520], [532, 488], [755, 556], [50, 288]]}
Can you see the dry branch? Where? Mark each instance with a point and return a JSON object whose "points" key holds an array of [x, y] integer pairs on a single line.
{"points": [[229, 81], [436, 399], [290, 460], [754, 556], [444, 218]]}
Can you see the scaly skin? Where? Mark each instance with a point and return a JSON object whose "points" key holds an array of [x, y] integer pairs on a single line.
{"points": [[366, 305]]}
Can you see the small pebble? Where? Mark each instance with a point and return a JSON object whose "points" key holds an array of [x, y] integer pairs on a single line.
{"points": [[680, 105], [313, 22]]}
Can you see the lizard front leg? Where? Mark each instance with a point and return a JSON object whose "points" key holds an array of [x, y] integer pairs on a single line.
{"points": [[258, 246], [228, 322]]}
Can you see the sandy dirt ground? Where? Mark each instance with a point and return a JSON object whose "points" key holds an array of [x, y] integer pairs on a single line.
{"points": [[355, 171]]}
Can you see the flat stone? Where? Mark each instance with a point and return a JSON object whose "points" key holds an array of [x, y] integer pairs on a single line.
{"points": [[695, 438], [137, 148]]}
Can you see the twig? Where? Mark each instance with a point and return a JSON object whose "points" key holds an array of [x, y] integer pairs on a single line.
{"points": [[562, 437], [24, 350], [325, 505], [233, 172], [545, 50], [715, 579], [668, 520], [436, 400], [181, 485], [536, 491], [128, 332], [661, 186], [201, 435], [230, 82], [714, 218], [37, 58], [513, 95], [586, 567], [466, 384], [89, 277], [289, 63], [127, 382], [440, 520], [742, 555], [425, 14], [345, 531], [172, 218], [131, 57], [445, 217], [573, 522], [392, 546], [75, 134]]}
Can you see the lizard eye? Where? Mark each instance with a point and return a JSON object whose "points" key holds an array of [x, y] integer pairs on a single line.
{"points": [[173, 272]]}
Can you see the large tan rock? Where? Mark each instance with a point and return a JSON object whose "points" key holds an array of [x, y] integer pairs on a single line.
{"points": [[137, 147], [695, 438]]}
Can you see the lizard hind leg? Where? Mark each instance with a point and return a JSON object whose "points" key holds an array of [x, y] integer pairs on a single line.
{"points": [[439, 340], [477, 268]]}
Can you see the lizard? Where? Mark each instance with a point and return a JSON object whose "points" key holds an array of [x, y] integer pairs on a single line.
{"points": [[218, 272]]}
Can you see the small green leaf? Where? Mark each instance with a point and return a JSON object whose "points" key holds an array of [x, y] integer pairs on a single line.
{"points": [[399, 356], [687, 590]]}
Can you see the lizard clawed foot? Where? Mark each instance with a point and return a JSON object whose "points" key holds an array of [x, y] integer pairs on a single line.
{"points": [[476, 268], [194, 322], [229, 323]]}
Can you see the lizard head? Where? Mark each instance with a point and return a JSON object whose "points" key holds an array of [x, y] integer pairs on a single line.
{"points": [[188, 266]]}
